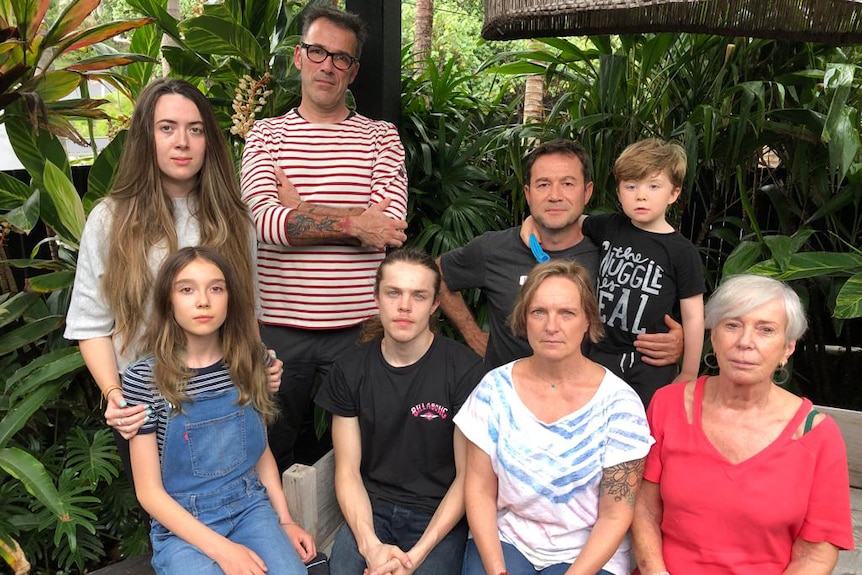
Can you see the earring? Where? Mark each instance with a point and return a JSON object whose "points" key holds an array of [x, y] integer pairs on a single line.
{"points": [[781, 375], [710, 361]]}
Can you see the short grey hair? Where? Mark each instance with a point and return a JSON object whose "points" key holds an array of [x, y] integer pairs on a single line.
{"points": [[739, 294]]}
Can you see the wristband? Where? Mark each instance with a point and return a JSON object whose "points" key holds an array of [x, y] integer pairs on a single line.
{"points": [[107, 393], [346, 225], [662, 573], [286, 523]]}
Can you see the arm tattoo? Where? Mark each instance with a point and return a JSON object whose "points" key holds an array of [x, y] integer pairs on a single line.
{"points": [[310, 228], [622, 480]]}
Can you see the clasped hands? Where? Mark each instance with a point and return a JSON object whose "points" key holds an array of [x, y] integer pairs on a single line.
{"points": [[388, 560]]}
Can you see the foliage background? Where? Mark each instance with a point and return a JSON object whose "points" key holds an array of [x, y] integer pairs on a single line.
{"points": [[771, 131]]}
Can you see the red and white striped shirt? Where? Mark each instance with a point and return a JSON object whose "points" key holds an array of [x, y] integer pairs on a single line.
{"points": [[350, 164]]}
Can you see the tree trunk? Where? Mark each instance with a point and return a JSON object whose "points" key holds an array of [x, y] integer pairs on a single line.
{"points": [[423, 29], [174, 10], [534, 93]]}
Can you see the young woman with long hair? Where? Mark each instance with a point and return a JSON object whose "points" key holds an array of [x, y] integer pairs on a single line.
{"points": [[202, 466], [175, 187]]}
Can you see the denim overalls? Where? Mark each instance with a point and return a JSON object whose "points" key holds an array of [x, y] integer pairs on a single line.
{"points": [[208, 466]]}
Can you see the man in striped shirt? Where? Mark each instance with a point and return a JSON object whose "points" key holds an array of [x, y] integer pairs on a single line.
{"points": [[324, 224]]}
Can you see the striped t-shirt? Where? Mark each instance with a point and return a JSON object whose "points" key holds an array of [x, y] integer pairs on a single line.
{"points": [[350, 164], [549, 473], [140, 388]]}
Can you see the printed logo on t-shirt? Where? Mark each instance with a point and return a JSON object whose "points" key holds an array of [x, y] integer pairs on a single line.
{"points": [[429, 411], [627, 280]]}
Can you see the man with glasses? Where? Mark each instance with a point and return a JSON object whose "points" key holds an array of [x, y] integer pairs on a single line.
{"points": [[327, 190]]}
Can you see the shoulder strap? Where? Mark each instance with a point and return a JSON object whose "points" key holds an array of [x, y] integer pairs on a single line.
{"points": [[809, 421]]}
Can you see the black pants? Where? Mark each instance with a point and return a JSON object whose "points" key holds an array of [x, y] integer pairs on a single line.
{"points": [[307, 356], [645, 379]]}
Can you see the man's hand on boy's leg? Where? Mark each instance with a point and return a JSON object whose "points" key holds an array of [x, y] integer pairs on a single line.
{"points": [[661, 349]]}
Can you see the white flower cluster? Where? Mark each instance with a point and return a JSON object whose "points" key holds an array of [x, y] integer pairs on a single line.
{"points": [[117, 125], [248, 101]]}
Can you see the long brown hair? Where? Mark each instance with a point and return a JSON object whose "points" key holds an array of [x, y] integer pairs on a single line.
{"points": [[143, 213], [372, 329], [243, 351]]}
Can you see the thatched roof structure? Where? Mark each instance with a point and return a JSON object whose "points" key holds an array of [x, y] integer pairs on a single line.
{"points": [[829, 21]]}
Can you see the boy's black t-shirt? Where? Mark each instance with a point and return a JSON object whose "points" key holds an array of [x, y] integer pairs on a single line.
{"points": [[642, 276], [405, 417]]}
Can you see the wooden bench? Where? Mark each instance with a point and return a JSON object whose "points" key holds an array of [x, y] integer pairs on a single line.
{"points": [[310, 493]]}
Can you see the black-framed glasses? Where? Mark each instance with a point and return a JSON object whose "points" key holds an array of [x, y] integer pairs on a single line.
{"points": [[319, 54]]}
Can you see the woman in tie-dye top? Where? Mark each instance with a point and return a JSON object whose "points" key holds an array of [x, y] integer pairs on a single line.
{"points": [[556, 443]]}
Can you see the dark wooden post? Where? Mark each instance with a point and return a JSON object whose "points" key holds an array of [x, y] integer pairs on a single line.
{"points": [[377, 89]]}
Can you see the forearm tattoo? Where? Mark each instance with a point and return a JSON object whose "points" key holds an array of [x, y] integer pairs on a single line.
{"points": [[308, 228], [622, 481]]}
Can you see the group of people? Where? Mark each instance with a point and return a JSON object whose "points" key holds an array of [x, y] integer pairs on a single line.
{"points": [[207, 308]]}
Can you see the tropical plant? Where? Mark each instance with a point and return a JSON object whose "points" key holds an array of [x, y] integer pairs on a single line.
{"points": [[771, 133], [450, 139], [52, 464], [239, 53]]}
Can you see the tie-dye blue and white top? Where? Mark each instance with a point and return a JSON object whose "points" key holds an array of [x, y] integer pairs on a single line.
{"points": [[548, 473]]}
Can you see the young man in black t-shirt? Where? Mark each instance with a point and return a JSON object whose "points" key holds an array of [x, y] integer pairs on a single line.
{"points": [[399, 460]]}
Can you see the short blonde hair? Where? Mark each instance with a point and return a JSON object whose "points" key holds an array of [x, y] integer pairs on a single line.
{"points": [[646, 157], [574, 272]]}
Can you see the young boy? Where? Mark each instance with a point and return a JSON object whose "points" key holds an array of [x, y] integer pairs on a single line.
{"points": [[647, 268], [399, 460]]}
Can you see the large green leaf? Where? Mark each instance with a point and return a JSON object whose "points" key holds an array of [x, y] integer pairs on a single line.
{"points": [[809, 265], [54, 365], [146, 40], [32, 149], [20, 413], [46, 283], [72, 16], [156, 10], [14, 307], [108, 61], [13, 192], [103, 171], [186, 63], [209, 35], [848, 304], [29, 333], [67, 204], [99, 33], [746, 254], [25, 217], [53, 85], [30, 472], [29, 15], [840, 131]]}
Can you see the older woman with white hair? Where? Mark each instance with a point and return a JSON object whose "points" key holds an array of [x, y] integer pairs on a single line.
{"points": [[745, 477]]}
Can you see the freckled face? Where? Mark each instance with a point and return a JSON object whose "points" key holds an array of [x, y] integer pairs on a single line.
{"points": [[180, 143], [749, 348], [407, 300], [556, 321]]}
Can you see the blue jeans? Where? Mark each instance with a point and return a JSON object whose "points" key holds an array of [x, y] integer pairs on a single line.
{"points": [[401, 526], [208, 464], [516, 563]]}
